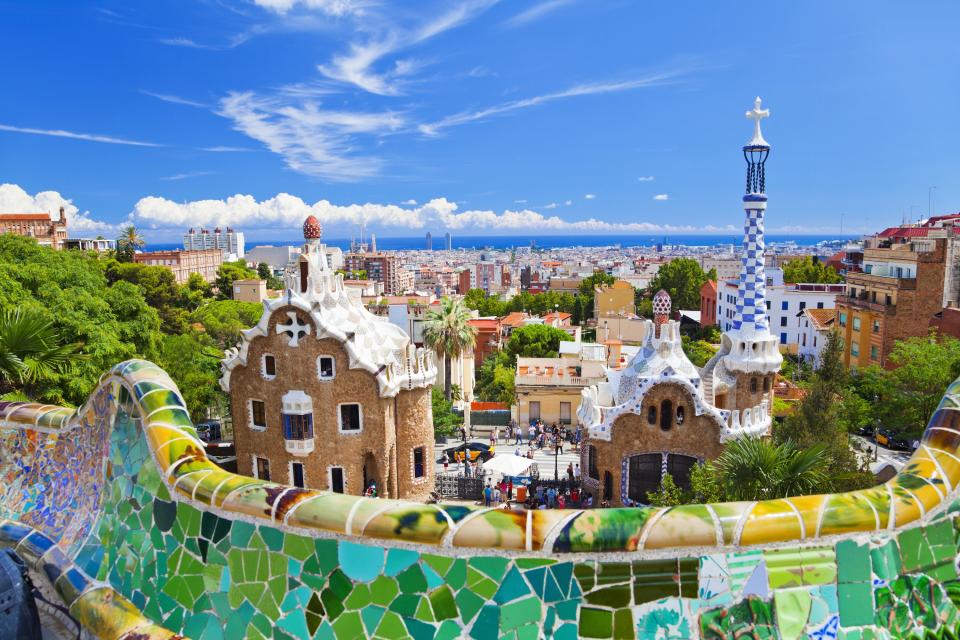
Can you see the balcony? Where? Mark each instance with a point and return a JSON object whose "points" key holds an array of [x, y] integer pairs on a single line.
{"points": [[301, 447], [863, 304], [887, 282], [556, 381]]}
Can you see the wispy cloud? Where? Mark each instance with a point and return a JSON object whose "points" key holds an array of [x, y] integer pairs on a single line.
{"points": [[357, 67], [590, 196], [411, 202], [536, 12], [224, 149], [89, 137], [552, 205], [311, 140], [645, 179], [330, 7], [519, 202], [172, 99], [192, 174], [661, 196], [579, 90], [568, 202]]}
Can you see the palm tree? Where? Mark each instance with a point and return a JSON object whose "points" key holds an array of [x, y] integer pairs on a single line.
{"points": [[31, 351], [448, 332], [757, 469], [129, 241]]}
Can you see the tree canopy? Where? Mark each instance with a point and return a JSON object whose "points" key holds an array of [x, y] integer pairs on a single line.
{"points": [[682, 279], [536, 341], [223, 320], [806, 270], [227, 273]]}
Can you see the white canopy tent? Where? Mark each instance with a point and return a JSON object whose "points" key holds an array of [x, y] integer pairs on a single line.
{"points": [[509, 465]]}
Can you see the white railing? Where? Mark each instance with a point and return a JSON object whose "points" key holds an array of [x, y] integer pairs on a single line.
{"points": [[300, 447], [564, 381]]}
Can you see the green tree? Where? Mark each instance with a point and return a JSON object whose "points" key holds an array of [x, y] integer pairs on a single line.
{"points": [[70, 291], [758, 469], [159, 288], [806, 270], [668, 494], [32, 352], [129, 241], [682, 279], [698, 351], [445, 420], [227, 273], [484, 304], [536, 341], [447, 330], [193, 361], [923, 368], [495, 379], [264, 272], [195, 291], [223, 320], [705, 484]]}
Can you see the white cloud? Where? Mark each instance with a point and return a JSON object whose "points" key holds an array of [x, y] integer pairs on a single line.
{"points": [[13, 199], [172, 99], [192, 174], [536, 12], [594, 88], [568, 202], [287, 211], [552, 205], [329, 7], [645, 179], [590, 196], [311, 140], [60, 133], [661, 196], [223, 149], [519, 202], [409, 202], [356, 67]]}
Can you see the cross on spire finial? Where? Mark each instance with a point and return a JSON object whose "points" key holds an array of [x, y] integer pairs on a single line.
{"points": [[756, 115]]}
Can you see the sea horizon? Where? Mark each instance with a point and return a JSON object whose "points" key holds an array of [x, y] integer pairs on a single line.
{"points": [[412, 243]]}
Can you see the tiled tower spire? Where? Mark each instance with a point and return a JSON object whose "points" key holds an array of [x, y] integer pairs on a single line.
{"points": [[752, 289]]}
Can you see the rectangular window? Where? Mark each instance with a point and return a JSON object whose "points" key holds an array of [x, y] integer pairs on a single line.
{"points": [[803, 305], [785, 305], [565, 412], [336, 479], [783, 338], [876, 326], [263, 468], [296, 474], [269, 366], [856, 324], [419, 469], [350, 419], [325, 367], [854, 349], [534, 410], [592, 470], [258, 414], [874, 353], [768, 305], [819, 305], [783, 322], [888, 300], [304, 269], [843, 319]]}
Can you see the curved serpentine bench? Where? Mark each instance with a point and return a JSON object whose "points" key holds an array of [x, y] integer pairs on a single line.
{"points": [[118, 506]]}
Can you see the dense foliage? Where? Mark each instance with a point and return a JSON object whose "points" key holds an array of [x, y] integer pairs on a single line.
{"points": [[579, 306], [227, 273], [31, 353], [682, 279], [445, 421], [495, 379], [806, 270]]}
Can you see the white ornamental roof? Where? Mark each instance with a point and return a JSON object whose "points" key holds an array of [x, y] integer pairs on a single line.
{"points": [[371, 342]]}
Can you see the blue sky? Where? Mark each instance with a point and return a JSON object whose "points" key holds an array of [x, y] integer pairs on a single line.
{"points": [[558, 116]]}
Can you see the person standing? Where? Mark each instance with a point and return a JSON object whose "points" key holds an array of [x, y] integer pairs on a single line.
{"points": [[446, 461], [576, 473], [487, 495], [570, 473], [518, 435]]}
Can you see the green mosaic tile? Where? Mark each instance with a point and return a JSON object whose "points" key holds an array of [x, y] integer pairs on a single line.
{"points": [[885, 561], [443, 604], [359, 597], [383, 590], [751, 616], [595, 623], [518, 613], [856, 604], [914, 549], [512, 587], [412, 580], [853, 562], [487, 624], [440, 564], [491, 566], [468, 603]]}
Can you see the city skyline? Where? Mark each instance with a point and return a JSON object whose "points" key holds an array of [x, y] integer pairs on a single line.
{"points": [[478, 117]]}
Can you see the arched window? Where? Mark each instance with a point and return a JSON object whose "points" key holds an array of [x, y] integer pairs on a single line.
{"points": [[753, 385], [652, 414], [592, 470], [607, 485], [304, 269], [680, 414], [666, 415], [766, 384]]}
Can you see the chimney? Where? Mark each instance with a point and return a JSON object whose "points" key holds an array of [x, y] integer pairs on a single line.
{"points": [[63, 216]]}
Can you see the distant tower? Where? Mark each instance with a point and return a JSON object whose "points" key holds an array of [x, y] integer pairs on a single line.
{"points": [[449, 242], [741, 376], [661, 308], [373, 243], [429, 241]]}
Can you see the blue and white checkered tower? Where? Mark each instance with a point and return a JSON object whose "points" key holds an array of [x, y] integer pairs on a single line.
{"points": [[755, 349]]}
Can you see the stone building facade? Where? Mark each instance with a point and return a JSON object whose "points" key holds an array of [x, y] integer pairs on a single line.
{"points": [[46, 231], [326, 395], [205, 262]]}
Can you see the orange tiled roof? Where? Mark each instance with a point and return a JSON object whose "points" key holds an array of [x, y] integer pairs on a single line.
{"points": [[821, 318], [14, 217]]}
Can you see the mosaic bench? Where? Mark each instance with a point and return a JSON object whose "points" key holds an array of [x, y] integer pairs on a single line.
{"points": [[117, 506]]}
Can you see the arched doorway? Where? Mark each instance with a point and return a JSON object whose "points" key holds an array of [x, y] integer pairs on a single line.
{"points": [[371, 474], [643, 475]]}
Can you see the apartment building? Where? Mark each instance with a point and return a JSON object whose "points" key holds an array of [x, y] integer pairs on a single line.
{"points": [[381, 267], [613, 300], [206, 262], [898, 292], [549, 389], [227, 240], [40, 226]]}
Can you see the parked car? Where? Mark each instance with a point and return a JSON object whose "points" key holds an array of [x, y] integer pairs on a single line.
{"points": [[866, 431], [210, 431], [893, 440], [474, 449]]}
